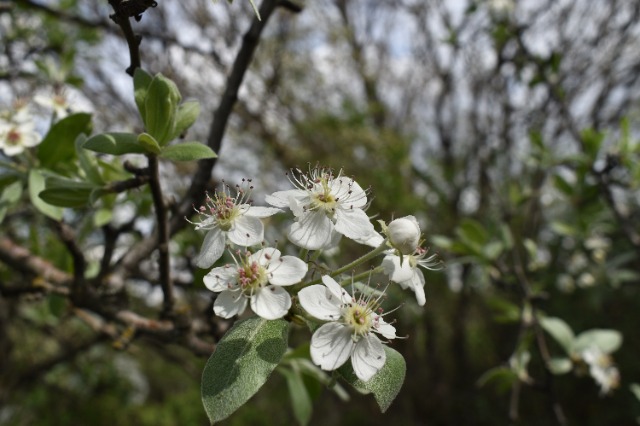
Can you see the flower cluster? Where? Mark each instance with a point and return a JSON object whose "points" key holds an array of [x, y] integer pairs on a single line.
{"points": [[325, 207]]}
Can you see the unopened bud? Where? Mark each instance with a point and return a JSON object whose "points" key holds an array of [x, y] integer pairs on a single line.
{"points": [[404, 234]]}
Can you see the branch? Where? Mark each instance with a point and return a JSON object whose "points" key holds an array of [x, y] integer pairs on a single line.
{"points": [[133, 40], [67, 235], [164, 262], [22, 260]]}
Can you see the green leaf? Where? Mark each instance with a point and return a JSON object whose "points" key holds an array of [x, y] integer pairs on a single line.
{"points": [[88, 163], [58, 147], [187, 151], [607, 341], [102, 217], [141, 82], [160, 108], [37, 185], [386, 384], [186, 115], [560, 331], [441, 241], [635, 389], [502, 377], [559, 366], [564, 229], [241, 364], [300, 399], [9, 197], [66, 192], [114, 144], [592, 140], [149, 143]]}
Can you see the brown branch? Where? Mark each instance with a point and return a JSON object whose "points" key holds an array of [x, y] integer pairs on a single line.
{"points": [[162, 229], [133, 40], [67, 235], [22, 260]]}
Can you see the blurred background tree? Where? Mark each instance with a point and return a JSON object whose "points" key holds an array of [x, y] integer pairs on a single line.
{"points": [[507, 128]]}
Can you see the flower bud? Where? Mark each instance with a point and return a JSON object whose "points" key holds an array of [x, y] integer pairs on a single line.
{"points": [[404, 234]]}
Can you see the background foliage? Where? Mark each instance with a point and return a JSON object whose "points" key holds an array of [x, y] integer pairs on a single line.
{"points": [[509, 131]]}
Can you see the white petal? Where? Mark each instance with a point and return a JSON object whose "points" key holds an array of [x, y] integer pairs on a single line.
{"points": [[265, 256], [331, 346], [396, 272], [354, 224], [372, 240], [221, 279], [271, 302], [368, 357], [319, 302], [417, 285], [212, 249], [348, 192], [230, 303], [281, 198], [312, 230], [257, 211], [336, 289], [386, 329], [286, 270], [246, 231]]}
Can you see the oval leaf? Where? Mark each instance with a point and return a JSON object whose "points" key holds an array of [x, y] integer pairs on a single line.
{"points": [[58, 146], [141, 82], [186, 115], [114, 144], [386, 384], [300, 399], [607, 341], [36, 185], [160, 107], [187, 151], [560, 331], [559, 365], [241, 364], [66, 193], [149, 143]]}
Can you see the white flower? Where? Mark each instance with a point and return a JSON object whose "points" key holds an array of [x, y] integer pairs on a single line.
{"points": [[18, 134], [229, 217], [350, 330], [601, 368], [501, 8], [258, 278], [324, 205], [404, 234], [57, 102], [406, 272]]}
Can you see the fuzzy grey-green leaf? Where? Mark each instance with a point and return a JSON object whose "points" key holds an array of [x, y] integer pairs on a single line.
{"points": [[387, 382], [243, 361]]}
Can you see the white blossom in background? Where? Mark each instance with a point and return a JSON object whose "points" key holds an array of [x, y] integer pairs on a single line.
{"points": [[324, 205], [256, 279], [233, 218], [601, 369], [17, 132], [57, 102], [350, 332], [405, 270]]}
